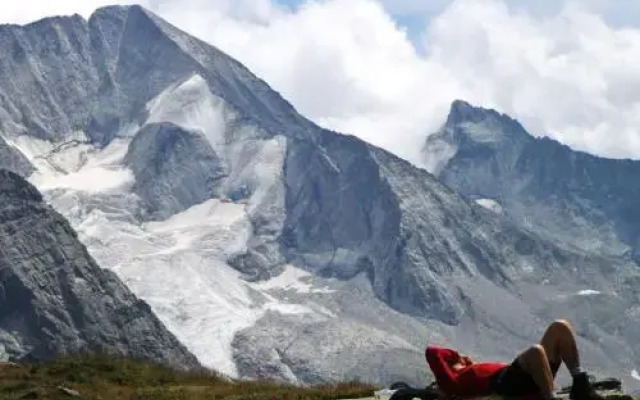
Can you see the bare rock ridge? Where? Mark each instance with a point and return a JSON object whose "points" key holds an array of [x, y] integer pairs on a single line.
{"points": [[173, 168], [55, 300], [69, 75], [585, 201]]}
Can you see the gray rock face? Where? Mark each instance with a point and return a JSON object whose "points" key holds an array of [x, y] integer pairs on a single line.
{"points": [[66, 74], [341, 354], [12, 160], [174, 169], [55, 300], [582, 200], [353, 208]]}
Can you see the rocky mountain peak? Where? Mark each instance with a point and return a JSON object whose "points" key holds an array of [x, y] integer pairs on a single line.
{"points": [[472, 131], [70, 75], [576, 197], [461, 111], [466, 122]]}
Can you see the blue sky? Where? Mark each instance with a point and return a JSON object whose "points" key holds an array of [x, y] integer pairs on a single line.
{"points": [[412, 20], [414, 15]]}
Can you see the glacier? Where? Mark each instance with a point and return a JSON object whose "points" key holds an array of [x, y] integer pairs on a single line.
{"points": [[179, 265], [206, 295]]}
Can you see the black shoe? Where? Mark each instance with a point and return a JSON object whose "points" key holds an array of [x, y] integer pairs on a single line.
{"points": [[607, 384], [582, 389], [409, 393]]}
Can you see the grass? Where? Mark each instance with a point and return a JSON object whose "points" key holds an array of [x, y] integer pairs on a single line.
{"points": [[108, 378]]}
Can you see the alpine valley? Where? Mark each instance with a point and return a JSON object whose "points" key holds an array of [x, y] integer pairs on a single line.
{"points": [[271, 247]]}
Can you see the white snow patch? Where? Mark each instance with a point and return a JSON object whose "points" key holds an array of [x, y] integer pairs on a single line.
{"points": [[75, 164], [292, 278], [490, 204], [93, 180], [185, 228], [292, 309], [32, 148], [179, 267], [635, 374], [192, 106], [256, 165], [588, 292]]}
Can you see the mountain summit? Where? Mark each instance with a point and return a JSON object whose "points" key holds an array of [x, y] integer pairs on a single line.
{"points": [[580, 199], [269, 246]]}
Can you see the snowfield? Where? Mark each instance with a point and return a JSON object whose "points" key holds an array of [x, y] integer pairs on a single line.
{"points": [[179, 265]]}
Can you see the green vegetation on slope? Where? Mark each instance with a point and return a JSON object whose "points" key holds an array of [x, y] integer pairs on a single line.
{"points": [[102, 377]]}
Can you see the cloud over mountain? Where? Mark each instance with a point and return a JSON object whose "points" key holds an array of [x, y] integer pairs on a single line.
{"points": [[566, 70]]}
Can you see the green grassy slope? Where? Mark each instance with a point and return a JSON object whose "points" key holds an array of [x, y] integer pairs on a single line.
{"points": [[106, 378]]}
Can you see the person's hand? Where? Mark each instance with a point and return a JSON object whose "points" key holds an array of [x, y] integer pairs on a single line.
{"points": [[462, 362], [466, 360]]}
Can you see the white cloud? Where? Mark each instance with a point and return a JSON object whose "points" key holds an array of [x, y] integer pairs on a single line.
{"points": [[407, 7], [559, 68], [347, 65], [570, 75]]}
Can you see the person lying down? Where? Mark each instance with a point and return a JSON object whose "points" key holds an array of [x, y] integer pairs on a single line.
{"points": [[532, 373]]}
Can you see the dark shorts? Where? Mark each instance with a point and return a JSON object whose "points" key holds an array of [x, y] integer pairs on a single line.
{"points": [[515, 381]]}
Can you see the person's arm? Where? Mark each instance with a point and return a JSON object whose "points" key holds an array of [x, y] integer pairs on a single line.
{"points": [[441, 361]]}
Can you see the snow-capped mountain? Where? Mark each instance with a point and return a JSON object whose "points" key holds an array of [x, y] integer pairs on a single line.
{"points": [[268, 245], [55, 299]]}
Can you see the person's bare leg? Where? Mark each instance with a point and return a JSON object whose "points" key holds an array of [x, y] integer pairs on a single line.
{"points": [[559, 342], [535, 362]]}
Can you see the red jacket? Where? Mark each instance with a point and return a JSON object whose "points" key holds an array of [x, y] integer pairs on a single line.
{"points": [[473, 380]]}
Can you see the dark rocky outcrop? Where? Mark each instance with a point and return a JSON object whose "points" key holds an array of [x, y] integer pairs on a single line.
{"points": [[174, 169], [55, 300], [13, 160]]}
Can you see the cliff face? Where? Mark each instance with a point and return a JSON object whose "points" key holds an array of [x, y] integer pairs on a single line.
{"points": [[55, 300], [581, 200], [13, 160]]}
